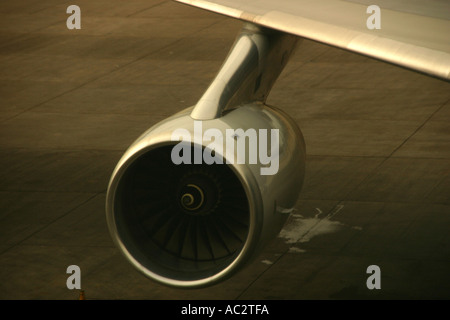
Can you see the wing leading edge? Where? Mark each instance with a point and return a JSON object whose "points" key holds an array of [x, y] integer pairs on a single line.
{"points": [[414, 34]]}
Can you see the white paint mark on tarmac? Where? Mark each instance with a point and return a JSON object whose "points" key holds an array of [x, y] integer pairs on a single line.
{"points": [[300, 230], [319, 212], [268, 262], [296, 250]]}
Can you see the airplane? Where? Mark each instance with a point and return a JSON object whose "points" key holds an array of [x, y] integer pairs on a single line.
{"points": [[194, 224]]}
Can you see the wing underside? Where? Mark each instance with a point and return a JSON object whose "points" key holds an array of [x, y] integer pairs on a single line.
{"points": [[414, 34]]}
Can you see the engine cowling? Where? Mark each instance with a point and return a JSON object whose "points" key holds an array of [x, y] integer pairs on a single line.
{"points": [[195, 224]]}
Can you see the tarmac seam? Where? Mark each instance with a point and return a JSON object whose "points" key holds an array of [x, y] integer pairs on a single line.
{"points": [[50, 223], [101, 76]]}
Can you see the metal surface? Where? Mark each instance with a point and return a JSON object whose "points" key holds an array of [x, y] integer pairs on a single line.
{"points": [[270, 199], [416, 37], [249, 72]]}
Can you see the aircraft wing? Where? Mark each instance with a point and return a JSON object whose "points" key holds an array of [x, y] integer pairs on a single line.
{"points": [[414, 33]]}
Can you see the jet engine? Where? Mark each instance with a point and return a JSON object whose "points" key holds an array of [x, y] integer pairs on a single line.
{"points": [[198, 195]]}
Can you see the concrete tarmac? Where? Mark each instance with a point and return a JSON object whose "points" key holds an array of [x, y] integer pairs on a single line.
{"points": [[377, 187]]}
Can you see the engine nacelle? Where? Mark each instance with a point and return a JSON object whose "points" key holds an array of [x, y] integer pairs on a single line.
{"points": [[194, 224]]}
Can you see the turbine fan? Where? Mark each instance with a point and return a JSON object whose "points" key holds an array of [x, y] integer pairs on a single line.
{"points": [[197, 214]]}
